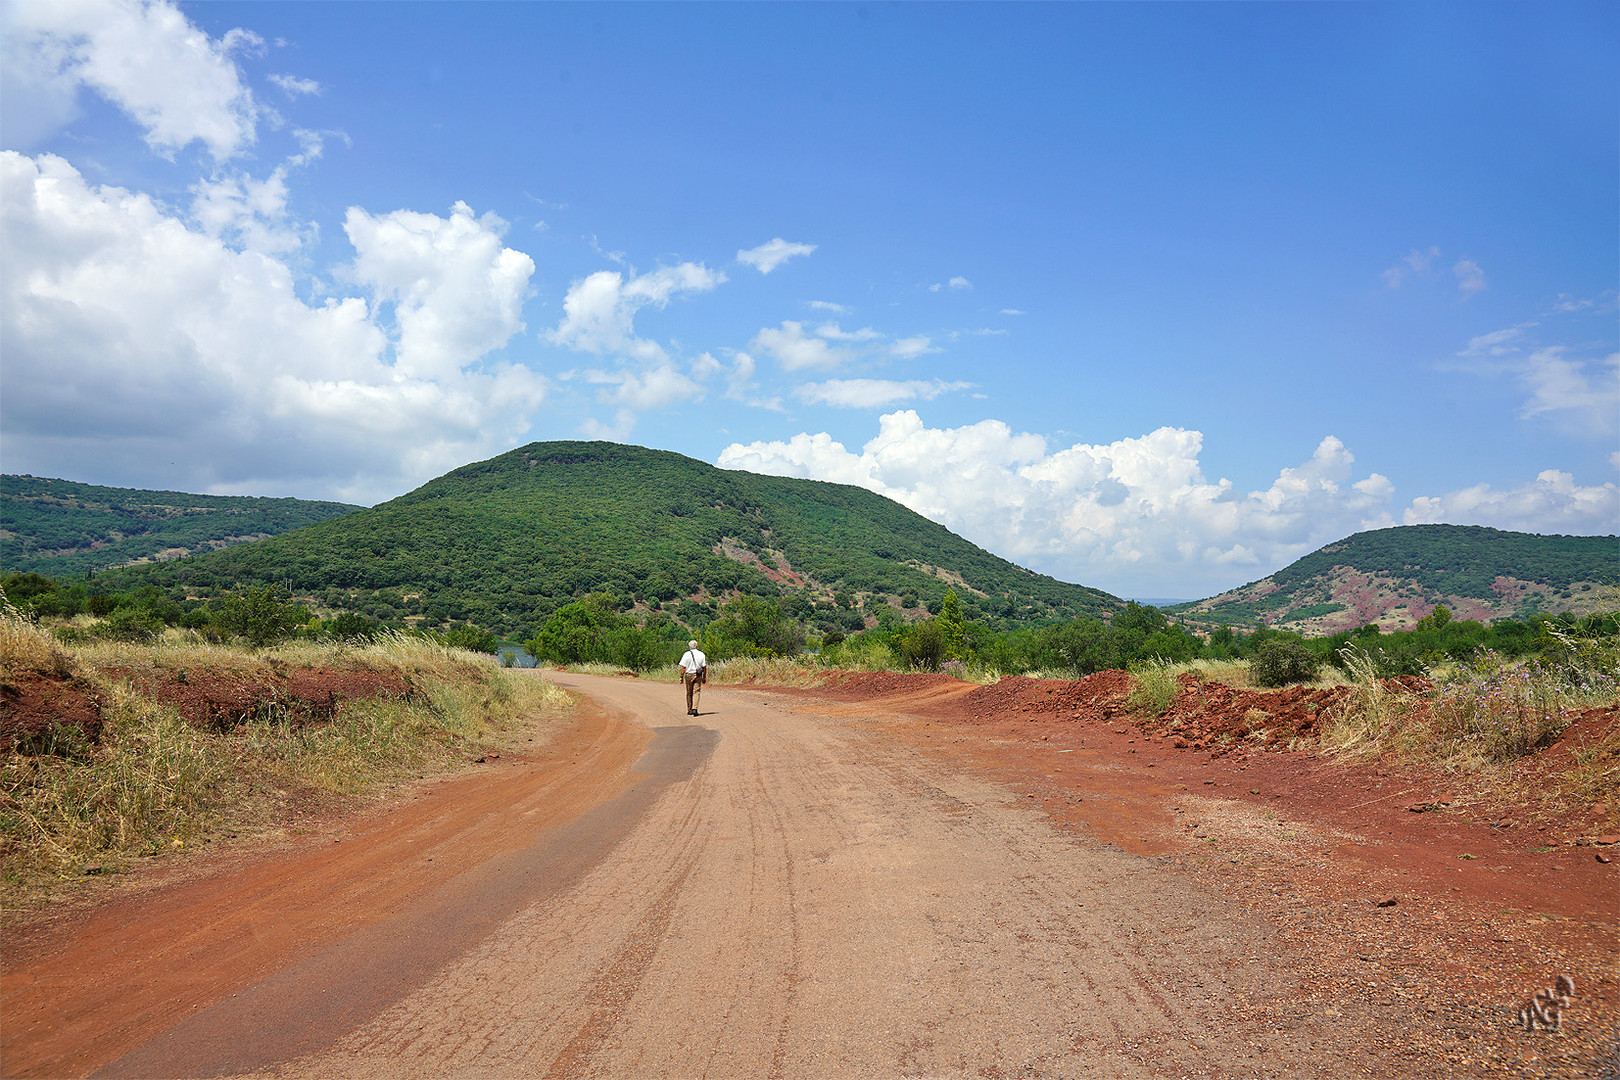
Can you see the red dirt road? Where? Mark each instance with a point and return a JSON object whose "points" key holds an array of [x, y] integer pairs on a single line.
{"points": [[832, 884]]}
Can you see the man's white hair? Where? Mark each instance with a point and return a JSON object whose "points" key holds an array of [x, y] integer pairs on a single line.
{"points": [[691, 644]]}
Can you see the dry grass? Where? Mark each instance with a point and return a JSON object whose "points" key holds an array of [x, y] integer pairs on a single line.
{"points": [[1595, 774], [1374, 719], [1154, 689], [801, 671], [1480, 716], [25, 648], [153, 782]]}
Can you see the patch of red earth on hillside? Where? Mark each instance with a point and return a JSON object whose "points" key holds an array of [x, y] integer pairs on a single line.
{"points": [[783, 576], [1511, 591], [1403, 884], [1362, 593]]}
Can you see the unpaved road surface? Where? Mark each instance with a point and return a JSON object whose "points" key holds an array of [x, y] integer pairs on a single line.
{"points": [[777, 888]]}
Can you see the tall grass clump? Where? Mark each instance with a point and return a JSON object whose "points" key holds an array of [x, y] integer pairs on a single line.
{"points": [[1373, 718], [863, 652], [973, 671], [24, 647], [1234, 673], [1155, 687], [1486, 712], [801, 670]]}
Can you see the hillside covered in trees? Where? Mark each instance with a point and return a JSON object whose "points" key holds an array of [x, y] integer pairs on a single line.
{"points": [[504, 543], [1395, 577], [64, 529]]}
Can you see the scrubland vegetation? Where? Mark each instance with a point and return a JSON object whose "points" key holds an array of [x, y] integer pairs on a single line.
{"points": [[1489, 709], [1457, 693], [145, 778], [507, 542]]}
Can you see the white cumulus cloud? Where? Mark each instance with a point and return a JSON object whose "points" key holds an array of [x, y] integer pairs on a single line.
{"points": [[599, 311], [458, 292], [1416, 262], [1588, 391], [293, 86], [144, 56], [795, 350], [1470, 278], [1138, 516], [874, 393], [1133, 516], [1552, 503], [1561, 382], [773, 253], [133, 339], [641, 392], [912, 347]]}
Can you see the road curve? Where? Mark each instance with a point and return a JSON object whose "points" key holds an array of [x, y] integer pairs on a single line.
{"points": [[778, 890]]}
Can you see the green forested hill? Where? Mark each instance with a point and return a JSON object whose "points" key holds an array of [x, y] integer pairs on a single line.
{"points": [[62, 529], [504, 542], [1465, 560], [1395, 576]]}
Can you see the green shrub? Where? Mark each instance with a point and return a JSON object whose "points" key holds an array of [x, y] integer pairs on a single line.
{"points": [[637, 648], [1278, 663], [130, 624], [924, 647], [259, 616], [471, 638]]}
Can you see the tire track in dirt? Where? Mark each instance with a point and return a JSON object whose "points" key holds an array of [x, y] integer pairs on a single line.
{"points": [[91, 984], [307, 1007], [818, 902]]}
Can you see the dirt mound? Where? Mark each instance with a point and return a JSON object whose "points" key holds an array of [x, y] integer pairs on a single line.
{"points": [[34, 706], [868, 684], [218, 701], [1204, 715], [1094, 698], [1212, 714]]}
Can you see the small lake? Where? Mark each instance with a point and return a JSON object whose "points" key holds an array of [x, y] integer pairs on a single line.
{"points": [[521, 657]]}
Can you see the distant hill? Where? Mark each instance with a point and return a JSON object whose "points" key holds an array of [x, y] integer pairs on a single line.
{"points": [[502, 543], [1393, 577], [63, 529]]}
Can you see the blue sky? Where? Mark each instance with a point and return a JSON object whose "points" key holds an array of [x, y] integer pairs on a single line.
{"points": [[1151, 297]]}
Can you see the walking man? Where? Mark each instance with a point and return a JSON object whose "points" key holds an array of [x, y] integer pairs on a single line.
{"points": [[694, 673]]}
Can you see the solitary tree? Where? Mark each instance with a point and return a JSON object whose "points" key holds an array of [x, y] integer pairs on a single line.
{"points": [[260, 616]]}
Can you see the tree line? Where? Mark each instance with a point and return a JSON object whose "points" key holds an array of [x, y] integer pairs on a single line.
{"points": [[600, 628], [256, 616]]}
